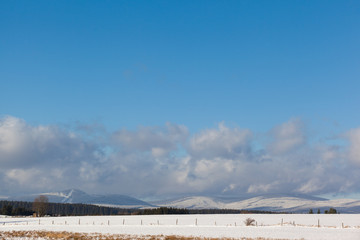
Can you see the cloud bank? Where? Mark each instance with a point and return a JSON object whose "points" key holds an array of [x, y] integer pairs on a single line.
{"points": [[169, 161]]}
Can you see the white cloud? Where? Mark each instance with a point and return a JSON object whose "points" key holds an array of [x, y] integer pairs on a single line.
{"points": [[262, 188], [151, 138], [311, 186], [354, 149], [167, 161], [24, 145], [287, 136], [32, 179], [15, 137], [158, 152], [22, 176], [221, 142], [34, 157], [89, 172]]}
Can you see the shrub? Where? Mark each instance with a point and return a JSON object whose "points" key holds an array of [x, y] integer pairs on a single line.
{"points": [[249, 222]]}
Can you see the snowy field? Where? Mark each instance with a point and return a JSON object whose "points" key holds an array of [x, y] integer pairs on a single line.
{"points": [[277, 226]]}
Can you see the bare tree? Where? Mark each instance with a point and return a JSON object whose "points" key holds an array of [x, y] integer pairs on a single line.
{"points": [[40, 205]]}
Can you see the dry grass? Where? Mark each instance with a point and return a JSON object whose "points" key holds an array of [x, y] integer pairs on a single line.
{"points": [[83, 236]]}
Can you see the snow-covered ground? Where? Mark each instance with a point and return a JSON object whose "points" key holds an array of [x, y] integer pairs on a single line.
{"points": [[294, 226]]}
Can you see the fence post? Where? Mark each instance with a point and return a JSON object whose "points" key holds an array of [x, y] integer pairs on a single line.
{"points": [[318, 223]]}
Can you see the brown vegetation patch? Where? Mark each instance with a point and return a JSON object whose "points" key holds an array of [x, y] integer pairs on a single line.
{"points": [[48, 235]]}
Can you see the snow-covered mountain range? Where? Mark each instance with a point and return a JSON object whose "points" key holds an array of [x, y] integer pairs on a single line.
{"points": [[78, 196], [276, 203]]}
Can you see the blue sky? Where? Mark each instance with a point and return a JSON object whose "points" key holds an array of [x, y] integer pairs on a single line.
{"points": [[119, 67]]}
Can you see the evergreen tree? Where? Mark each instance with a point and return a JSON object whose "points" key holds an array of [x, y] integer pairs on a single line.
{"points": [[7, 210], [332, 211]]}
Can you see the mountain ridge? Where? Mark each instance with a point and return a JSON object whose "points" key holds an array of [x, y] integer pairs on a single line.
{"points": [[275, 203], [78, 196], [296, 203]]}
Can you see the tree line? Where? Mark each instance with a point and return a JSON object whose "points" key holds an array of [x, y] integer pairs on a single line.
{"points": [[330, 211], [18, 208], [41, 207]]}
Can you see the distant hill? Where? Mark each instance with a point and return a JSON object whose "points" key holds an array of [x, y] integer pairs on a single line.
{"points": [[274, 203], [77, 196]]}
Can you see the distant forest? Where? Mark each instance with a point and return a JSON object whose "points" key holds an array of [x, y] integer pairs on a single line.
{"points": [[17, 208]]}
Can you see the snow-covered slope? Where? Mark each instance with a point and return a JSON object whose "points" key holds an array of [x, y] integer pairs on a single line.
{"points": [[193, 203], [77, 196], [297, 204]]}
